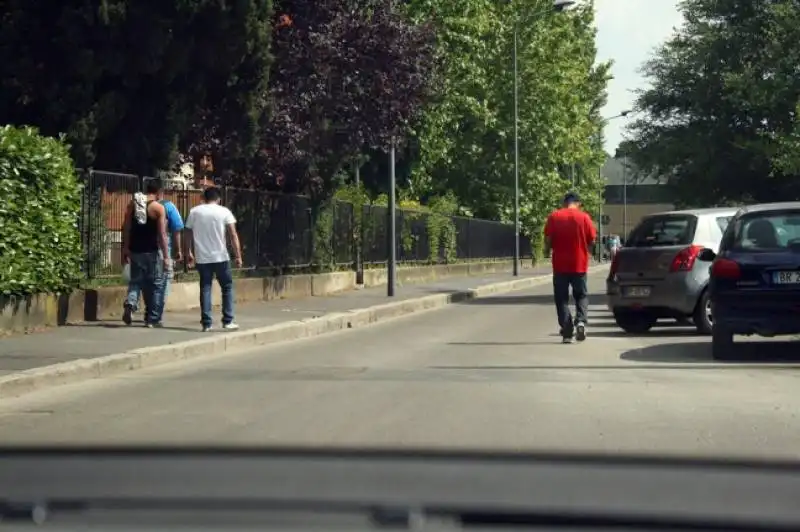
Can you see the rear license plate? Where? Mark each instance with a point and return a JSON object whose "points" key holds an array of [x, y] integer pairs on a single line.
{"points": [[786, 278], [637, 291]]}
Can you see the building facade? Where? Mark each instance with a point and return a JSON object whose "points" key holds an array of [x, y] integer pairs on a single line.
{"points": [[630, 197]]}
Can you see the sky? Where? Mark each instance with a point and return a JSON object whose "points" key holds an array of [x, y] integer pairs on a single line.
{"points": [[627, 33]]}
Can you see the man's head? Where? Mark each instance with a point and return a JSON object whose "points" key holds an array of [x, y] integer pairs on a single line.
{"points": [[212, 195], [154, 188], [572, 201]]}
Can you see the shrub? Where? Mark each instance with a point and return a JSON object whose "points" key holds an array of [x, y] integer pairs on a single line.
{"points": [[537, 242], [40, 246]]}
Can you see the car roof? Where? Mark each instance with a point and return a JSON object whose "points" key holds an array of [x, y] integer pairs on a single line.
{"points": [[700, 212], [765, 207]]}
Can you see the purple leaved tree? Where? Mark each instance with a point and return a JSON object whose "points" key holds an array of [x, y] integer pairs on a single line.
{"points": [[348, 75]]}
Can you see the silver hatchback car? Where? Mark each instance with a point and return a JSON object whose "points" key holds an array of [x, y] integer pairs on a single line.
{"points": [[656, 273]]}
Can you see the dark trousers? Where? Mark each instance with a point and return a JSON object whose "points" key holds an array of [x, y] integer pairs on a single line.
{"points": [[222, 271], [147, 272], [561, 284]]}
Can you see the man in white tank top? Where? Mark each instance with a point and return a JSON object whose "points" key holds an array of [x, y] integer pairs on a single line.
{"points": [[210, 224]]}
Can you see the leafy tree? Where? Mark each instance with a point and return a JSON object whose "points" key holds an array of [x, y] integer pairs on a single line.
{"points": [[131, 83], [468, 130], [562, 91], [720, 122], [461, 127], [349, 76]]}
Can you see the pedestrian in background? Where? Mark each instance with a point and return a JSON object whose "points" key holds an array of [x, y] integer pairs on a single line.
{"points": [[210, 224], [174, 228], [145, 248], [570, 235]]}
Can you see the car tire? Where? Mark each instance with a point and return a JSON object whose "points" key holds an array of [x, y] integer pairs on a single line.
{"points": [[634, 322], [702, 318], [722, 344]]}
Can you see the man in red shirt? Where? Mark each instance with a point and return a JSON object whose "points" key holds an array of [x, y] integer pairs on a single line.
{"points": [[570, 234]]}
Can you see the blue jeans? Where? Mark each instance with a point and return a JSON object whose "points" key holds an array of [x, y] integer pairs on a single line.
{"points": [[135, 292], [222, 271], [147, 274]]}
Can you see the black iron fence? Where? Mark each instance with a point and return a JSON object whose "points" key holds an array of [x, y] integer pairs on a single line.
{"points": [[288, 232]]}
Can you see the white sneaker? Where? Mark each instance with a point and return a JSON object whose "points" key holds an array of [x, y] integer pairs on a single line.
{"points": [[580, 331], [233, 326]]}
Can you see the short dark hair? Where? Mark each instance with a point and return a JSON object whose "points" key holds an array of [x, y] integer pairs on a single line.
{"points": [[153, 186], [571, 197], [212, 194]]}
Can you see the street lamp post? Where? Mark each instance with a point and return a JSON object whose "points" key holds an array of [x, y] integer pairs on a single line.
{"points": [[625, 198], [624, 186], [558, 5], [391, 263]]}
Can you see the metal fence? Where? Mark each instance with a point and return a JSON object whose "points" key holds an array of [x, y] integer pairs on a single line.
{"points": [[287, 232]]}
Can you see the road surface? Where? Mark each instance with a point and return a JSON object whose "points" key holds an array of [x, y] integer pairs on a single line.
{"points": [[490, 375]]}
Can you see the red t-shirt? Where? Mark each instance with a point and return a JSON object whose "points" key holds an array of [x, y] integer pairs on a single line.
{"points": [[570, 232]]}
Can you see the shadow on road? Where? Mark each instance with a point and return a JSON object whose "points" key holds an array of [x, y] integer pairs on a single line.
{"points": [[495, 344], [533, 299], [700, 352], [134, 326], [674, 331]]}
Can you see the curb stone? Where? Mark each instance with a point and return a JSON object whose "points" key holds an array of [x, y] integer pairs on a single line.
{"points": [[76, 371]]}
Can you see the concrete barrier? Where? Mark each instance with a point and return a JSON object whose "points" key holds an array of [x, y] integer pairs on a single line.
{"points": [[40, 311], [24, 382]]}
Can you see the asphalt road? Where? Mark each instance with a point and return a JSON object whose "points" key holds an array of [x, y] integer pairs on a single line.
{"points": [[490, 374]]}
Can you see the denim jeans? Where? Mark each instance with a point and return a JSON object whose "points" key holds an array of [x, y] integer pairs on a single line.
{"points": [[561, 285], [222, 271], [147, 273], [135, 293]]}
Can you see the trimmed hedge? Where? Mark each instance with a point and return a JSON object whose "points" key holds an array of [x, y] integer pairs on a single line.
{"points": [[40, 246]]}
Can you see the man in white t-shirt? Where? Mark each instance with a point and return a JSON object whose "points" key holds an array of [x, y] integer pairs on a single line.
{"points": [[209, 224]]}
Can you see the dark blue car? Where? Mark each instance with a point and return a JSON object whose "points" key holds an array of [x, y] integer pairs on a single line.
{"points": [[755, 277]]}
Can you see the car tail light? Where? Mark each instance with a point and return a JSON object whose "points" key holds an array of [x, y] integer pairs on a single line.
{"points": [[725, 269], [614, 265], [684, 260]]}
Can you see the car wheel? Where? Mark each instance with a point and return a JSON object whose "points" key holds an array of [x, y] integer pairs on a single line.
{"points": [[703, 319], [634, 322], [722, 345]]}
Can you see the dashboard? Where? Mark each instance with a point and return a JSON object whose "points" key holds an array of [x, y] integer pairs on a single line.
{"points": [[308, 489]]}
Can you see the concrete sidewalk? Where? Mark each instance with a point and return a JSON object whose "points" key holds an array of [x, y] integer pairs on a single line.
{"points": [[99, 339]]}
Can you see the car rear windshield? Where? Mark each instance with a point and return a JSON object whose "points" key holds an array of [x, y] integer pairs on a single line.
{"points": [[765, 231], [664, 230]]}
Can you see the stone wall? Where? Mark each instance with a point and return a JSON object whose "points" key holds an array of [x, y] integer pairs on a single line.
{"points": [[34, 312]]}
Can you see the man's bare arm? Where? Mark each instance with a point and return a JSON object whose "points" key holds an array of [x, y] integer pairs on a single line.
{"points": [[237, 247], [163, 240], [126, 232], [178, 238]]}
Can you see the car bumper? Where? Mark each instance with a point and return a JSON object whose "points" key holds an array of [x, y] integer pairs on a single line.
{"points": [[756, 318], [674, 295]]}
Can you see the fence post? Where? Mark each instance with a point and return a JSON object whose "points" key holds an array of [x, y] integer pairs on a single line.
{"points": [[469, 239], [87, 220]]}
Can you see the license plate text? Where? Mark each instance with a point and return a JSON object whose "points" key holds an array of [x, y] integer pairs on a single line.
{"points": [[786, 277], [637, 291]]}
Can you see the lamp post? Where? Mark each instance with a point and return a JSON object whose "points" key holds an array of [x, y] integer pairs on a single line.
{"points": [[624, 185], [558, 5], [391, 263]]}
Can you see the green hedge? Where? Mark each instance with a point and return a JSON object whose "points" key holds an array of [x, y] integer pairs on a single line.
{"points": [[40, 247]]}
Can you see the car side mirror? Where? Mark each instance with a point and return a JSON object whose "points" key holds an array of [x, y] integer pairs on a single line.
{"points": [[707, 255]]}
